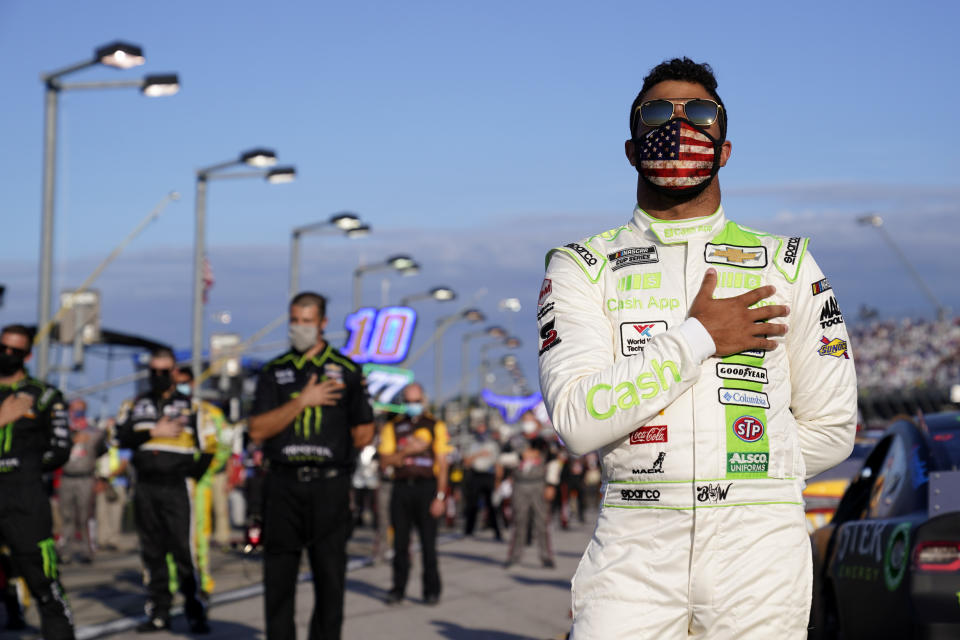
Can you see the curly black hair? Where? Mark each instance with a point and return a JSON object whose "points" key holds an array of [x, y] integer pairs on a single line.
{"points": [[683, 69]]}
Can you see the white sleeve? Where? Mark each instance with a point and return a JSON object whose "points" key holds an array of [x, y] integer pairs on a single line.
{"points": [[822, 377], [594, 401]]}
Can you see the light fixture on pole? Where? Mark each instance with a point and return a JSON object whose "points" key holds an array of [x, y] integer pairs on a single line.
{"points": [[349, 224], [444, 323], [262, 161], [440, 294], [509, 342], [490, 332], [875, 221], [120, 55], [402, 264]]}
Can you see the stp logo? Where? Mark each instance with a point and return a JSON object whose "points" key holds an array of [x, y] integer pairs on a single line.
{"points": [[748, 429]]}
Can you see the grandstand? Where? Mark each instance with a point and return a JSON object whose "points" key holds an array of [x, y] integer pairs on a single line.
{"points": [[905, 366]]}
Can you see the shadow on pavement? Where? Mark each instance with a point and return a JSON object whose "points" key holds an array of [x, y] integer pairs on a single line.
{"points": [[458, 632], [559, 583], [219, 630], [368, 589], [472, 557]]}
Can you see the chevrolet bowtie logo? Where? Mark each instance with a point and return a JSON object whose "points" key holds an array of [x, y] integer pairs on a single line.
{"points": [[735, 255]]}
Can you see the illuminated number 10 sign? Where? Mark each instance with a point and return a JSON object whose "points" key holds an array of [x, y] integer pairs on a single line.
{"points": [[380, 335]]}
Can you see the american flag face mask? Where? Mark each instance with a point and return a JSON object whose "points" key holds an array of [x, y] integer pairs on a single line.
{"points": [[678, 157]]}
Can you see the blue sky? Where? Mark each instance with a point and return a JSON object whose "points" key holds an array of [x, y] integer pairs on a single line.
{"points": [[457, 123]]}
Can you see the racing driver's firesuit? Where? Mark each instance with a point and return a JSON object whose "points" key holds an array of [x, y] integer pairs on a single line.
{"points": [[702, 531]]}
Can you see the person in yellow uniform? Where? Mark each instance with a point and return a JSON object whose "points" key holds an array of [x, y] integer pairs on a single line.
{"points": [[213, 424], [416, 446]]}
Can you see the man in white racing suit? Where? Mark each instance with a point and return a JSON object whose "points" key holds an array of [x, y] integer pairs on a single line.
{"points": [[664, 344]]}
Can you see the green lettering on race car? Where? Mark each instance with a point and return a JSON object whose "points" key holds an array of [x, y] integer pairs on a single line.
{"points": [[628, 393]]}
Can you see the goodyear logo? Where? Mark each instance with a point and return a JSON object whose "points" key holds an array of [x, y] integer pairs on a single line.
{"points": [[836, 348]]}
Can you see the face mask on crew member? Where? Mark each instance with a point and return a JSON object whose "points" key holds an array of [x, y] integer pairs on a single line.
{"points": [[414, 409], [530, 427], [678, 158], [10, 363], [160, 380], [303, 336], [184, 388]]}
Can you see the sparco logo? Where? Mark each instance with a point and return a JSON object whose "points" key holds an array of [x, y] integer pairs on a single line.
{"points": [[791, 255], [640, 495], [645, 435], [584, 253], [713, 492]]}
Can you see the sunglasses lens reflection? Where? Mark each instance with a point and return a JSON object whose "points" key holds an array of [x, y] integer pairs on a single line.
{"points": [[656, 112], [701, 112]]}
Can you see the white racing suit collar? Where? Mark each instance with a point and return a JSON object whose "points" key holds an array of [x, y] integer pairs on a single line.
{"points": [[678, 231]]}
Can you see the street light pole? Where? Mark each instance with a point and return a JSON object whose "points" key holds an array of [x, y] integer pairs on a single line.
{"points": [[349, 223], [199, 244], [493, 332], [405, 265], [117, 54], [876, 222], [294, 263], [261, 159], [46, 233]]}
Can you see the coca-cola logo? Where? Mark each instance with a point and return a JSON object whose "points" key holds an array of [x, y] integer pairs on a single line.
{"points": [[646, 435]]}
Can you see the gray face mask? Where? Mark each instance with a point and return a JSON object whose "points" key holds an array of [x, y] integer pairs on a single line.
{"points": [[303, 336]]}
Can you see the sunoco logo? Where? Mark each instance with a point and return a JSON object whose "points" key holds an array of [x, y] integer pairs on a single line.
{"points": [[747, 462], [584, 253], [793, 244], [748, 429], [640, 495]]}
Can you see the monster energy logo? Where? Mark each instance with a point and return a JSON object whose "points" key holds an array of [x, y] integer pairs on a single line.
{"points": [[310, 415], [6, 437], [48, 550]]}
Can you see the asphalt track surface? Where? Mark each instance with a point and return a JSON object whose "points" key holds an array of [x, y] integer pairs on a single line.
{"points": [[481, 599]]}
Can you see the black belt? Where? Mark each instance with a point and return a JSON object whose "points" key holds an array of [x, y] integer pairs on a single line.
{"points": [[307, 473], [414, 480]]}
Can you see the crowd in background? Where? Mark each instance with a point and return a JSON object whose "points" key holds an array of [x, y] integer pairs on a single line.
{"points": [[515, 481], [898, 355], [91, 496]]}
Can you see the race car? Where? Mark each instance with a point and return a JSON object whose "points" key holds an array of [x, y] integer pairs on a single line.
{"points": [[888, 564], [823, 491]]}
